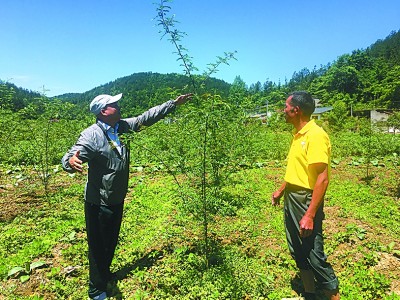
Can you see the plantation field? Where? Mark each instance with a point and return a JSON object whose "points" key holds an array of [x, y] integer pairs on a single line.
{"points": [[198, 221], [159, 254]]}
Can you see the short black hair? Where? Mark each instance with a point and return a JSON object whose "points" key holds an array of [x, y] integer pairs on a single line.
{"points": [[304, 101]]}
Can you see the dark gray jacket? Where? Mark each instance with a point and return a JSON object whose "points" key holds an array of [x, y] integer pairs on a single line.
{"points": [[108, 173]]}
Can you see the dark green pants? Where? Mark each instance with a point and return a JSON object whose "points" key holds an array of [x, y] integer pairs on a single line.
{"points": [[307, 252], [102, 225]]}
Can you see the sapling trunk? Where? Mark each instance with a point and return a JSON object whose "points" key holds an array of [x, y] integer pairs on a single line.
{"points": [[175, 36]]}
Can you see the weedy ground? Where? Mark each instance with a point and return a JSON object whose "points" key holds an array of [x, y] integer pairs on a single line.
{"points": [[43, 248]]}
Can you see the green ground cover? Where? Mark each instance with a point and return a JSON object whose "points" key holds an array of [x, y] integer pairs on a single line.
{"points": [[160, 256]]}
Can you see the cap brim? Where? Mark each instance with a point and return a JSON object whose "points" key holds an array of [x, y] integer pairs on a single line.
{"points": [[114, 98]]}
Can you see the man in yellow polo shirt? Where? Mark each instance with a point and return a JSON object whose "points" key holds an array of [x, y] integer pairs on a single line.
{"points": [[305, 183]]}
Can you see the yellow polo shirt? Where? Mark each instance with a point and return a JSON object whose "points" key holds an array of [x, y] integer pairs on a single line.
{"points": [[310, 145]]}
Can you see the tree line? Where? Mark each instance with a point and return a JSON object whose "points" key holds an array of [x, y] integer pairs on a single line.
{"points": [[366, 78]]}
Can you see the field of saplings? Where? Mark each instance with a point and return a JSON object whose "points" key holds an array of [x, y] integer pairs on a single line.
{"points": [[198, 221]]}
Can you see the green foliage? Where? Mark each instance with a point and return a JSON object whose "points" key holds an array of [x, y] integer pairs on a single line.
{"points": [[22, 240], [158, 255], [375, 145], [175, 37], [387, 48], [365, 284], [212, 170], [338, 117], [238, 91], [225, 144], [224, 166], [6, 95], [144, 90], [15, 98], [364, 207], [301, 80], [342, 79], [365, 79], [22, 273], [38, 139], [394, 121]]}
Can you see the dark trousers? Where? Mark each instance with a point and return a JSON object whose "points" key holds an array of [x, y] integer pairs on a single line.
{"points": [[102, 225], [307, 252]]}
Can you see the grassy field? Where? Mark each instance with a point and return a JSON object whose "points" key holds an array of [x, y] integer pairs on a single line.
{"points": [[43, 247]]}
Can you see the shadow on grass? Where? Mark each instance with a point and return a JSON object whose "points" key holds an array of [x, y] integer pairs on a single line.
{"points": [[113, 290], [297, 286], [193, 266], [368, 179], [147, 261]]}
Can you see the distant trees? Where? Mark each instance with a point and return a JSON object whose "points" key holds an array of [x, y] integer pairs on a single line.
{"points": [[364, 79], [238, 91], [394, 121], [387, 49], [6, 96], [14, 98], [367, 78]]}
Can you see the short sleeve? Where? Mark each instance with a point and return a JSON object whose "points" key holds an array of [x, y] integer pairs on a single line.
{"points": [[319, 148]]}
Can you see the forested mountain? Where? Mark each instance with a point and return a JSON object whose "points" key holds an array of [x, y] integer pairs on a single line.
{"points": [[387, 49], [142, 90], [366, 78]]}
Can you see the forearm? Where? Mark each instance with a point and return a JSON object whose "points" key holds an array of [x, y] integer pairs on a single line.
{"points": [[282, 187], [278, 194], [152, 116]]}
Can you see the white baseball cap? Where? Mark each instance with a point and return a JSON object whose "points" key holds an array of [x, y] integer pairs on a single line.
{"points": [[101, 101]]}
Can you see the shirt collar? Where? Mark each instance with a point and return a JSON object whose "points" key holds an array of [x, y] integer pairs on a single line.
{"points": [[108, 127], [306, 127]]}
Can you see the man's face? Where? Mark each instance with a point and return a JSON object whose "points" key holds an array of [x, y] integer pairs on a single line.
{"points": [[290, 111], [112, 112]]}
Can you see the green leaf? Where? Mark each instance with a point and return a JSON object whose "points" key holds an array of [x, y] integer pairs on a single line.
{"points": [[391, 246], [24, 278], [72, 236], [374, 162], [16, 271], [36, 264]]}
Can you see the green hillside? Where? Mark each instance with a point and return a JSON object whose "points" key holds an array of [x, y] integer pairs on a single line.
{"points": [[365, 78]]}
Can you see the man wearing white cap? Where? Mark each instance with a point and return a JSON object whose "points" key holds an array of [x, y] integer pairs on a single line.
{"points": [[107, 184]]}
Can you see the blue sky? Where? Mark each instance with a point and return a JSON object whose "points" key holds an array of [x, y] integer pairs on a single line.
{"points": [[74, 46]]}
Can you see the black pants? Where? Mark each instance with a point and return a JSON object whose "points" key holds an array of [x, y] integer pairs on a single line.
{"points": [[102, 225], [307, 252]]}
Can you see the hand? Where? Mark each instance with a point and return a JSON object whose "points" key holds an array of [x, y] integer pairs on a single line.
{"points": [[306, 226], [75, 162], [276, 198], [183, 98]]}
